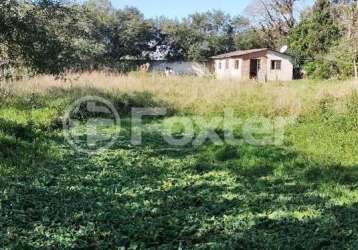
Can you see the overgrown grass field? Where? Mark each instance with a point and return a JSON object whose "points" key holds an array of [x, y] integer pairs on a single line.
{"points": [[300, 195]]}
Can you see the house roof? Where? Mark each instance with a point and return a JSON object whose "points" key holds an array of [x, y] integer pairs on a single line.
{"points": [[243, 52]]}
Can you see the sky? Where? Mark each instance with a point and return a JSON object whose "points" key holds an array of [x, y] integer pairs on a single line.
{"points": [[182, 8]]}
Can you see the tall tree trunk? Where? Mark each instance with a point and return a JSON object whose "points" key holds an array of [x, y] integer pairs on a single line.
{"points": [[355, 68], [354, 23]]}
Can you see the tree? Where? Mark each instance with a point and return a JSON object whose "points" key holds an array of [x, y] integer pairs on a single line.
{"points": [[274, 19], [130, 34], [250, 39], [100, 6], [46, 36], [316, 34], [57, 37], [182, 42], [347, 11], [201, 35], [10, 23], [49, 36]]}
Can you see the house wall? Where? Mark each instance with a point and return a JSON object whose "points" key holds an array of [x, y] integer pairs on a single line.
{"points": [[228, 73], [182, 68], [246, 65], [286, 72]]}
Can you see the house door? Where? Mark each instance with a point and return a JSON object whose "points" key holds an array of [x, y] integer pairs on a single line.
{"points": [[255, 65]]}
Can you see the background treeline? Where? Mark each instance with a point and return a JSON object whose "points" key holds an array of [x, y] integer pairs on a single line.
{"points": [[52, 37]]}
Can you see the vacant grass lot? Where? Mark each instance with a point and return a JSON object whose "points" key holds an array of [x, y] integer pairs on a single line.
{"points": [[301, 195]]}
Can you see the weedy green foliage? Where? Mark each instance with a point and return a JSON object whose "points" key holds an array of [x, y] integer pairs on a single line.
{"points": [[301, 195]]}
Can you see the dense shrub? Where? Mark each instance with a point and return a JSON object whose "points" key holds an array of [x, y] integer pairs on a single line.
{"points": [[320, 70]]}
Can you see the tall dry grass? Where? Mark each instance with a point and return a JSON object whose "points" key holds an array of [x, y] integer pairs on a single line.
{"points": [[198, 95]]}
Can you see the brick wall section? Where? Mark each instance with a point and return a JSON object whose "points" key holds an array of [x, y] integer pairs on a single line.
{"points": [[246, 64]]}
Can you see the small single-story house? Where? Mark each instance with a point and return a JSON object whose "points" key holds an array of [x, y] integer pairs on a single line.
{"points": [[258, 64]]}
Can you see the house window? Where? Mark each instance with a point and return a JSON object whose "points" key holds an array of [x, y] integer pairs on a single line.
{"points": [[219, 65], [237, 64], [227, 64], [276, 65]]}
